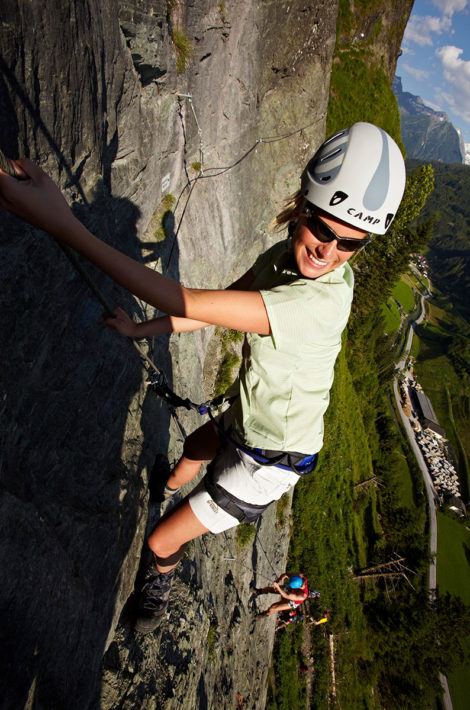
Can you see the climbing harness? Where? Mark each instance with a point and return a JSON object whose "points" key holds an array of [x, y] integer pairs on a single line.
{"points": [[289, 461], [241, 510]]}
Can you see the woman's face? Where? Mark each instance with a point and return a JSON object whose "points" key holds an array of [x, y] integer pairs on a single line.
{"points": [[315, 258]]}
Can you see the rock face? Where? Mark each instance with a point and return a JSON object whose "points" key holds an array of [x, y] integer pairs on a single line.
{"points": [[91, 91], [379, 24]]}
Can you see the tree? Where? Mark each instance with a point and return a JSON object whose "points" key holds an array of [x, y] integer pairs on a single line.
{"points": [[414, 640]]}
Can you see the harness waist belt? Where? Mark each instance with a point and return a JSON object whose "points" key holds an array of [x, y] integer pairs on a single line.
{"points": [[241, 510], [300, 464], [288, 460]]}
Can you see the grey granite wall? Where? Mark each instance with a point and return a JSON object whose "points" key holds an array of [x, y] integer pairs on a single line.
{"points": [[90, 89]]}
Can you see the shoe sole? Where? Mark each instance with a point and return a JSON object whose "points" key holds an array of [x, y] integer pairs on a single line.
{"points": [[146, 626]]}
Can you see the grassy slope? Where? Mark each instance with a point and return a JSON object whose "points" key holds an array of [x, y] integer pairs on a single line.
{"points": [[453, 574], [328, 543], [453, 569], [403, 293], [391, 316]]}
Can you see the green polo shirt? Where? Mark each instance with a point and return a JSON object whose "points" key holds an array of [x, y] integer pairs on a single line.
{"points": [[285, 377]]}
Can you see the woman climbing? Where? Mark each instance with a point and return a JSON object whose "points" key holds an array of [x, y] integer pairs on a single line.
{"points": [[293, 305], [292, 597]]}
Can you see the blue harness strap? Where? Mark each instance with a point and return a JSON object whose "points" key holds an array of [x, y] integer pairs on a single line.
{"points": [[287, 460], [282, 459]]}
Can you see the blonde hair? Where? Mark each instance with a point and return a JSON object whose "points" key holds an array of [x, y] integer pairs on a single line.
{"points": [[290, 212]]}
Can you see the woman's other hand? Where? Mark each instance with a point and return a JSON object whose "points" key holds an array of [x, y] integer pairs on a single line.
{"points": [[121, 323], [34, 197]]}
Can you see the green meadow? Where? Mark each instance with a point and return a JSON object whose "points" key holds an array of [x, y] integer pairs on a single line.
{"points": [[403, 293], [338, 530], [391, 315]]}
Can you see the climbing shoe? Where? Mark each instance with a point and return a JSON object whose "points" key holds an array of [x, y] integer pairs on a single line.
{"points": [[254, 590], [153, 600]]}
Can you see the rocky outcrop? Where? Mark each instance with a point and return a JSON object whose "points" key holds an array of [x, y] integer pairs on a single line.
{"points": [[379, 25], [92, 91]]}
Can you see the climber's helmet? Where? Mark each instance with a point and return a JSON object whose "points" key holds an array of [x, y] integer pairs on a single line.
{"points": [[295, 581], [357, 176]]}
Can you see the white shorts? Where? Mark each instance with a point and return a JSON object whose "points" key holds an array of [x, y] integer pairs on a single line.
{"points": [[245, 479]]}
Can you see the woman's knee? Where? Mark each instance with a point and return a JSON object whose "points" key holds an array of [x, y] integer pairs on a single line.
{"points": [[164, 558], [202, 444], [174, 531], [162, 545]]}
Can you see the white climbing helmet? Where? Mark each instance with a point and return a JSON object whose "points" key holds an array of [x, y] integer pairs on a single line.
{"points": [[358, 176]]}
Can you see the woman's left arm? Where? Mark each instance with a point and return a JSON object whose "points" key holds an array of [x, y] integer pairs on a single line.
{"points": [[38, 201]]}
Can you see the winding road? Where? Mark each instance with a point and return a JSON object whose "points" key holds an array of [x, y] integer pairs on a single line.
{"points": [[432, 497]]}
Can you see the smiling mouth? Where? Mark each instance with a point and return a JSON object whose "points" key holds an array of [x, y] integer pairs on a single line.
{"points": [[316, 262]]}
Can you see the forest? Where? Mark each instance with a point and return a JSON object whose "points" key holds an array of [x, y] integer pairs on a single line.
{"points": [[449, 246]]}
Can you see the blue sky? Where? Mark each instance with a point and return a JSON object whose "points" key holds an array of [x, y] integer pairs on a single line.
{"points": [[435, 63]]}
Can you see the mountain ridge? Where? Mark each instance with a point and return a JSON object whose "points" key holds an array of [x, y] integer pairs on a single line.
{"points": [[427, 134]]}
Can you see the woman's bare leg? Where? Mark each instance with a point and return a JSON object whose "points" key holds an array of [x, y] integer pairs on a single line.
{"points": [[200, 446], [267, 590], [167, 542], [278, 606], [169, 538]]}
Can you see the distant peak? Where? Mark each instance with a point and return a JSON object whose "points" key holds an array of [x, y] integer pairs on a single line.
{"points": [[426, 133]]}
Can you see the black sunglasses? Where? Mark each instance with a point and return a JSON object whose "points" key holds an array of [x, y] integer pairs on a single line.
{"points": [[324, 233]]}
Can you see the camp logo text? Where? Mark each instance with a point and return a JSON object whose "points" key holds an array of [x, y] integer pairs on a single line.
{"points": [[370, 219], [212, 505], [340, 197]]}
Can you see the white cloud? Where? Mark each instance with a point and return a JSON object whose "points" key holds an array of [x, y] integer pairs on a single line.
{"points": [[419, 74], [457, 76], [431, 104], [448, 7], [419, 29]]}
